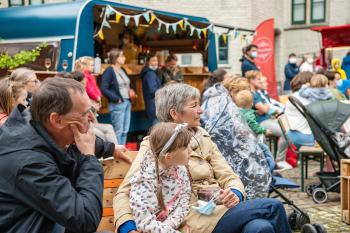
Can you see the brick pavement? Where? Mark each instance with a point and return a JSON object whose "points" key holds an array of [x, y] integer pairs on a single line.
{"points": [[328, 214]]}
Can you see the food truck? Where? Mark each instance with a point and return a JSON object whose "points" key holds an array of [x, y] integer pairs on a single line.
{"points": [[93, 27], [335, 42]]}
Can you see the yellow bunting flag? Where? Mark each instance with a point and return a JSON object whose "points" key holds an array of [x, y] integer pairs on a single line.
{"points": [[204, 32], [153, 17], [117, 17], [181, 24], [224, 37], [100, 34]]}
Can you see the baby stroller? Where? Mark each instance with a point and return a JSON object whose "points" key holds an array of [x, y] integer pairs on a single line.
{"points": [[325, 119]]}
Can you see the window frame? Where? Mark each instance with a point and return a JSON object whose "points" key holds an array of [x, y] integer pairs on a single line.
{"points": [[223, 62], [11, 5], [324, 13], [42, 2], [298, 22]]}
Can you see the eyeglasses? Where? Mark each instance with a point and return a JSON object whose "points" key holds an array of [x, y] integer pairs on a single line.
{"points": [[90, 110]]}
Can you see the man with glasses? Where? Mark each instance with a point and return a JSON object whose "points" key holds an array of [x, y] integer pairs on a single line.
{"points": [[50, 177]]}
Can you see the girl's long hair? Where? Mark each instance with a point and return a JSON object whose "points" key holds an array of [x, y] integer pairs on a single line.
{"points": [[9, 91], [159, 136]]}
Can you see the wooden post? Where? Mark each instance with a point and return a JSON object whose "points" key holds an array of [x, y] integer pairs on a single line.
{"points": [[345, 190]]}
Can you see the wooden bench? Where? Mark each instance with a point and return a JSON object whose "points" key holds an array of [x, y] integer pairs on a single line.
{"points": [[114, 173]]}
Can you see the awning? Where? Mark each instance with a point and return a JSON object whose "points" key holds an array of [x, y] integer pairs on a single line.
{"points": [[335, 36]]}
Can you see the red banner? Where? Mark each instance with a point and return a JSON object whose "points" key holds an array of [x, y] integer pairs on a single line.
{"points": [[265, 40]]}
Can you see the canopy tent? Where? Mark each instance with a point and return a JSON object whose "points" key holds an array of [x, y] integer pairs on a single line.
{"points": [[73, 22], [334, 36]]}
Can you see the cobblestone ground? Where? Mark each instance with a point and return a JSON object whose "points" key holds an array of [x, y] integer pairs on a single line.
{"points": [[329, 214]]}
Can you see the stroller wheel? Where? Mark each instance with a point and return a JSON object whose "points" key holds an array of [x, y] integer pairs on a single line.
{"points": [[319, 195], [320, 228], [292, 219], [297, 220], [310, 188], [302, 219], [308, 228]]}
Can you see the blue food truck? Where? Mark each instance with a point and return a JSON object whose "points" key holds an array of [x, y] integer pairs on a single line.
{"points": [[88, 28]]}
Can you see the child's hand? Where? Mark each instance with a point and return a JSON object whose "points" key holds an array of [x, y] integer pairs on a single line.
{"points": [[268, 132]]}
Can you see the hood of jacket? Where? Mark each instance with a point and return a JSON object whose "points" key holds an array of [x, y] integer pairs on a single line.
{"points": [[147, 69], [217, 90], [346, 60]]}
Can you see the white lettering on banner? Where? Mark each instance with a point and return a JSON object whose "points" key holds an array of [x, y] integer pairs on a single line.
{"points": [[265, 49]]}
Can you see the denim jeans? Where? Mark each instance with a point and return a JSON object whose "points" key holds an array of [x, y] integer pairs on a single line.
{"points": [[120, 117], [264, 215], [299, 139]]}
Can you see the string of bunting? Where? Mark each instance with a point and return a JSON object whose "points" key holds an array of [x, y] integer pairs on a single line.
{"points": [[150, 17]]}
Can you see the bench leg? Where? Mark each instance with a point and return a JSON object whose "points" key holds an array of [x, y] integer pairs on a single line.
{"points": [[302, 172], [306, 166]]}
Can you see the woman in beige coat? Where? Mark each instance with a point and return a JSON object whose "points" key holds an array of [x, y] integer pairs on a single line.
{"points": [[209, 172]]}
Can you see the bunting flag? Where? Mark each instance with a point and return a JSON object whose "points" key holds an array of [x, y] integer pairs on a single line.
{"points": [[137, 20], [153, 17], [109, 10], [181, 24], [100, 35], [204, 31], [106, 24], [146, 16], [224, 37], [174, 26], [150, 17], [198, 33], [117, 17], [159, 26], [126, 20], [192, 31]]}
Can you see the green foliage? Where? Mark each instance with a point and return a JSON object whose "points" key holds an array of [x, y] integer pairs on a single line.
{"points": [[23, 57]]}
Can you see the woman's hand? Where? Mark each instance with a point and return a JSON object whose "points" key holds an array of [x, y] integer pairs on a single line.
{"points": [[227, 198]]}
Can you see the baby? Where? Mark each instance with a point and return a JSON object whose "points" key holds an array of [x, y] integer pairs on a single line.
{"points": [[244, 100]]}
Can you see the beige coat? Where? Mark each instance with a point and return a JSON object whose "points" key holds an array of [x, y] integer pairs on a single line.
{"points": [[208, 168]]}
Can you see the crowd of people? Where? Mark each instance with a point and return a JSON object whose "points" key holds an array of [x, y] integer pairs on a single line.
{"points": [[205, 166]]}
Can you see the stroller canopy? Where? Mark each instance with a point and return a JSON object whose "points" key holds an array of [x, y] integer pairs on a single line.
{"points": [[330, 114]]}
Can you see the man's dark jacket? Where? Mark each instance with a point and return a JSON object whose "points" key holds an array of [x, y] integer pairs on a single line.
{"points": [[41, 184]]}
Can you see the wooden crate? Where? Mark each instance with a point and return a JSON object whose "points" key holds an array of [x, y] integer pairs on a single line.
{"points": [[345, 190], [114, 172]]}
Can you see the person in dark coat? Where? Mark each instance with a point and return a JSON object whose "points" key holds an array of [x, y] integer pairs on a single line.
{"points": [[51, 179], [346, 64], [150, 84], [249, 54], [290, 70]]}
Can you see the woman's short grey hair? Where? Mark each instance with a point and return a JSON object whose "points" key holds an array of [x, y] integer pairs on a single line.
{"points": [[173, 96], [22, 75]]}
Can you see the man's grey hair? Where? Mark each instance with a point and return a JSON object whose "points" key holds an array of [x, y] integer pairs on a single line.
{"points": [[54, 95], [173, 96]]}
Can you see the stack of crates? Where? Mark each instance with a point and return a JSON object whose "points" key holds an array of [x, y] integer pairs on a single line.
{"points": [[345, 190]]}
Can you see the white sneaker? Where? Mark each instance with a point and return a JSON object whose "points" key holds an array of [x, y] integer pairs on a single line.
{"points": [[283, 165]]}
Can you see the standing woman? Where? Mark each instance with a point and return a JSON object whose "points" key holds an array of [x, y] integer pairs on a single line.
{"points": [[115, 85], [150, 84], [28, 78]]}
